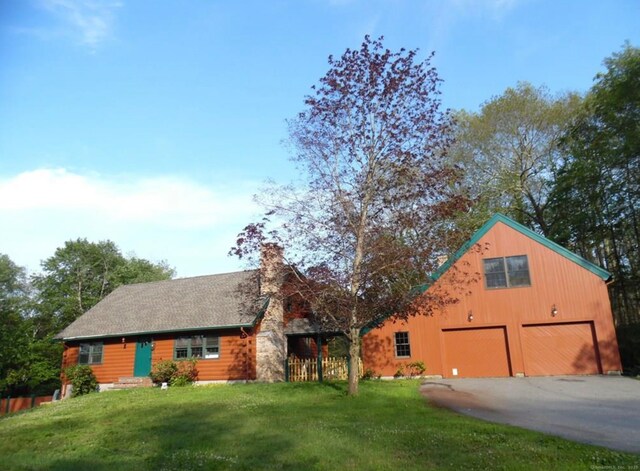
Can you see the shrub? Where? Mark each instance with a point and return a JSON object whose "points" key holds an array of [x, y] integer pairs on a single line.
{"points": [[186, 373], [409, 370], [180, 381], [416, 368], [369, 373], [163, 371], [181, 373], [82, 379]]}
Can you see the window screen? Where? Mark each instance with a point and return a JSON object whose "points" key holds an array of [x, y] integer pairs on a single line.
{"points": [[507, 272]]}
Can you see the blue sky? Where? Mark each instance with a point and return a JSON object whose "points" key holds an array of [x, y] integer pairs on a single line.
{"points": [[153, 123]]}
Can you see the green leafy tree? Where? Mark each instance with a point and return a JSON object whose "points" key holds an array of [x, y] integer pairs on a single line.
{"points": [[596, 196], [79, 275], [14, 332], [38, 369], [139, 270], [74, 279], [509, 152]]}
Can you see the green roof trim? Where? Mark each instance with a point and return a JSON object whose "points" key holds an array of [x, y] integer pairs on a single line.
{"points": [[496, 218], [560, 250]]}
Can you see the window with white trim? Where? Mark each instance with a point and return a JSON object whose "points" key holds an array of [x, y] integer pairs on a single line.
{"points": [[90, 353], [402, 346], [197, 346], [506, 272]]}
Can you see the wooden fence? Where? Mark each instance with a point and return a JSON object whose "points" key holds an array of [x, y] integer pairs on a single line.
{"points": [[306, 369], [14, 404]]}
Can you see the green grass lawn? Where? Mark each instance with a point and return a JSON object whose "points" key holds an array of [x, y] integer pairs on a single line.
{"points": [[281, 426]]}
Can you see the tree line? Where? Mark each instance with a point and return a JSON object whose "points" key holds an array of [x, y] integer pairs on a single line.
{"points": [[566, 166], [33, 309]]}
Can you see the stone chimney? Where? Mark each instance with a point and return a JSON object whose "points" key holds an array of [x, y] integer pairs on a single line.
{"points": [[271, 343], [271, 266]]}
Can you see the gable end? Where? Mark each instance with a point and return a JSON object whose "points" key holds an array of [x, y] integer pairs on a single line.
{"points": [[596, 270]]}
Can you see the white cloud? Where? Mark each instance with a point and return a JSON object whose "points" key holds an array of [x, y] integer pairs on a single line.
{"points": [[190, 225], [91, 21]]}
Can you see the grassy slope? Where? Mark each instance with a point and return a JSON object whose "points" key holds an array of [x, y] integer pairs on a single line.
{"points": [[281, 426]]}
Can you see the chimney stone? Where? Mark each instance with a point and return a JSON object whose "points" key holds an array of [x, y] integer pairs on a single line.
{"points": [[271, 342], [271, 266]]}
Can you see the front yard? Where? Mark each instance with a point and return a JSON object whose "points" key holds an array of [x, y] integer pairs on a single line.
{"points": [[295, 426]]}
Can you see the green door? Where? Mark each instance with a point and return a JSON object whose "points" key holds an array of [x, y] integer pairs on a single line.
{"points": [[142, 364]]}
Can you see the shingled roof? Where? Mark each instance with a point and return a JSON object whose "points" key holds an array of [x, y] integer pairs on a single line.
{"points": [[202, 302]]}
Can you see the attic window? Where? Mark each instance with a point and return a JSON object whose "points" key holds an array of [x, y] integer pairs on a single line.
{"points": [[90, 353], [507, 272], [197, 346]]}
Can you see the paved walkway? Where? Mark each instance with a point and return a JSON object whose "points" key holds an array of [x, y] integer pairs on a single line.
{"points": [[599, 410]]}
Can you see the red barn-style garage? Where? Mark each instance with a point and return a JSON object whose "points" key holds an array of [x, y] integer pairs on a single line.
{"points": [[528, 307]]}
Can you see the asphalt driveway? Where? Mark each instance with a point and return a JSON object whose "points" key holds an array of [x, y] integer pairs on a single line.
{"points": [[599, 410]]}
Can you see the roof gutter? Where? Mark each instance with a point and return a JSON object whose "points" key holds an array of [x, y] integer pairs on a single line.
{"points": [[154, 332]]}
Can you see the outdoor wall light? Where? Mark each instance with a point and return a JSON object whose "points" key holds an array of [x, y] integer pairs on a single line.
{"points": [[554, 311], [470, 316], [153, 346], [124, 342]]}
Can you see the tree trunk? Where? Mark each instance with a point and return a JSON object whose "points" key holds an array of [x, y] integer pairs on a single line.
{"points": [[354, 332], [79, 297], [354, 361]]}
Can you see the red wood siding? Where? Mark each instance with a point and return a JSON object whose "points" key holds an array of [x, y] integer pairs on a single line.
{"points": [[117, 359], [295, 308], [578, 295], [237, 359]]}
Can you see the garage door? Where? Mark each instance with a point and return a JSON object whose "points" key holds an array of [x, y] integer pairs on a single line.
{"points": [[559, 349], [474, 353]]}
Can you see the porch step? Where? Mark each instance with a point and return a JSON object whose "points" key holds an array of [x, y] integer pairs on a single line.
{"points": [[133, 382]]}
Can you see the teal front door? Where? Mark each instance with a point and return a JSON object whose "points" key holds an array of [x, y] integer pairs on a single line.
{"points": [[142, 363]]}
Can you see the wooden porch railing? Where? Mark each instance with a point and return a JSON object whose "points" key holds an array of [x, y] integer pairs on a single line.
{"points": [[306, 369]]}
